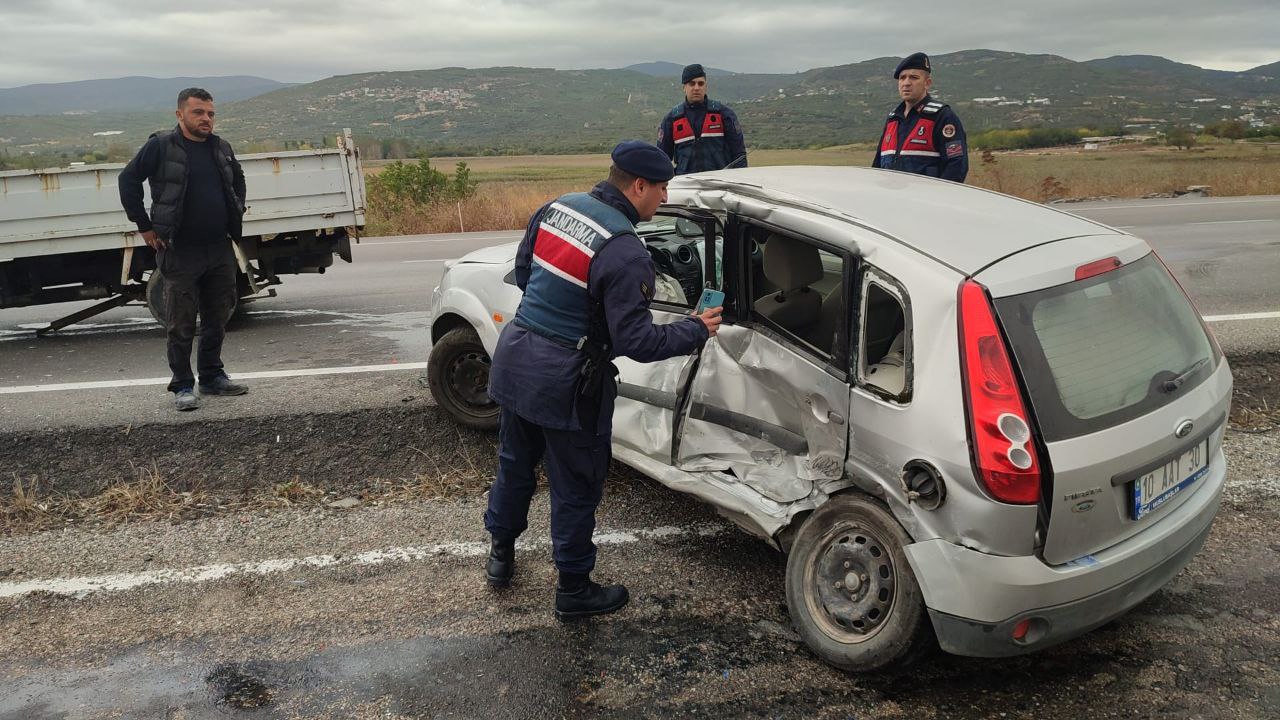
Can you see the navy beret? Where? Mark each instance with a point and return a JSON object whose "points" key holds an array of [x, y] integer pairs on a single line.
{"points": [[643, 160], [690, 72], [914, 61]]}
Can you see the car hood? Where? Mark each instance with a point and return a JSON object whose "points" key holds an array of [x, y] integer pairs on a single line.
{"points": [[496, 255]]}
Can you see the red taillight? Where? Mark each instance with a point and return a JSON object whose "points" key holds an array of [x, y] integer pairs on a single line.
{"points": [[1097, 267], [1003, 450]]}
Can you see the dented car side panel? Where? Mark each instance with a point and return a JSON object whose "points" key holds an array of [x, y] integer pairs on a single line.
{"points": [[764, 414]]}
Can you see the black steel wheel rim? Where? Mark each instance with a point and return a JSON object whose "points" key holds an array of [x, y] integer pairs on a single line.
{"points": [[468, 380], [851, 582]]}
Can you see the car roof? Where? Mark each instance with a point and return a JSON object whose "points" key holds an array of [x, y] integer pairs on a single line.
{"points": [[965, 227]]}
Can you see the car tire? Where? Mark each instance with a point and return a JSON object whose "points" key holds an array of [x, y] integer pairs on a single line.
{"points": [[458, 373], [853, 541]]}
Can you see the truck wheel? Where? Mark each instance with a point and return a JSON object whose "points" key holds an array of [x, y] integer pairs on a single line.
{"points": [[850, 590], [458, 373], [155, 301], [155, 296]]}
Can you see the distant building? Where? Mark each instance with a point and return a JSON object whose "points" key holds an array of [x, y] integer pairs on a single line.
{"points": [[1205, 100], [987, 101]]}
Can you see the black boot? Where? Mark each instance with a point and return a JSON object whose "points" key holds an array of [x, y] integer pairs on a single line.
{"points": [[577, 596], [501, 565]]}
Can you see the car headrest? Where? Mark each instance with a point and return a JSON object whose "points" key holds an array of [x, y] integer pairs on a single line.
{"points": [[791, 264]]}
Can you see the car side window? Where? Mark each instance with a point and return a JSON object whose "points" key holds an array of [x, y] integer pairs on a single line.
{"points": [[678, 247], [884, 338], [797, 286]]}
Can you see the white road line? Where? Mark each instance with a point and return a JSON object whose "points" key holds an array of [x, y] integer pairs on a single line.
{"points": [[1243, 316], [138, 382], [80, 587], [514, 236], [1177, 204], [1230, 222]]}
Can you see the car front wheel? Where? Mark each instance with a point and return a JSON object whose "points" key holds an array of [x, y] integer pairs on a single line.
{"points": [[458, 373], [850, 590]]}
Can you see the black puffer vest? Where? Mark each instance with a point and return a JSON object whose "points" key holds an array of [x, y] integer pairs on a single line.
{"points": [[169, 185]]}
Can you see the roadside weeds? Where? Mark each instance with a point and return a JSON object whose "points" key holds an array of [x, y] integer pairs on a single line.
{"points": [[151, 497]]}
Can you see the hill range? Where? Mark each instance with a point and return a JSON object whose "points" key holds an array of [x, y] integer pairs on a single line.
{"points": [[459, 111]]}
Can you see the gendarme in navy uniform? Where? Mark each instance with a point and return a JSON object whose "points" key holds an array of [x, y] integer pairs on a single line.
{"points": [[701, 134], [922, 135], [588, 281]]}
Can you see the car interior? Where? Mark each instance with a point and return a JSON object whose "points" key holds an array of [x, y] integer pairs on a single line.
{"points": [[884, 340], [798, 287]]}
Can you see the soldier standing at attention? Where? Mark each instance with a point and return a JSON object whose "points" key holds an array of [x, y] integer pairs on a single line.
{"points": [[701, 134], [922, 135]]}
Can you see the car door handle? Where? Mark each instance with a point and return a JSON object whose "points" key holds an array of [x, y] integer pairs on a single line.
{"points": [[822, 410]]}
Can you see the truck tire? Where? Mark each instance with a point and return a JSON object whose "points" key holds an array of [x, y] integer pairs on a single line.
{"points": [[458, 373], [851, 592], [155, 297], [155, 301]]}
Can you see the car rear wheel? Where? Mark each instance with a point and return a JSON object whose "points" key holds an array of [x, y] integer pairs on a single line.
{"points": [[458, 373], [851, 592]]}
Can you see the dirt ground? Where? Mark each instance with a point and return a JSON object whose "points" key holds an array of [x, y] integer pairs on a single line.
{"points": [[413, 451]]}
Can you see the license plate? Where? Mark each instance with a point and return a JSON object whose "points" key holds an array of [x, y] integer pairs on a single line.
{"points": [[1160, 485]]}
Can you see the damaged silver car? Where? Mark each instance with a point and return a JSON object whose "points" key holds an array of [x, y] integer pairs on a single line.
{"points": [[963, 416]]}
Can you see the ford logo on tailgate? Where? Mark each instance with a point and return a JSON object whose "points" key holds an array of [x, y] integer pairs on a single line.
{"points": [[1184, 429]]}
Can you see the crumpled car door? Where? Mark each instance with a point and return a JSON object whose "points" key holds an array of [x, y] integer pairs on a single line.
{"points": [[649, 394], [765, 414]]}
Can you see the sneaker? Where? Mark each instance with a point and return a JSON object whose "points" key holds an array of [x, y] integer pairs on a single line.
{"points": [[590, 599], [185, 400], [222, 385]]}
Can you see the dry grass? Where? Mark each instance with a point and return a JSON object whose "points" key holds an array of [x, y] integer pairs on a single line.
{"points": [[512, 187], [152, 497], [1228, 169], [502, 205]]}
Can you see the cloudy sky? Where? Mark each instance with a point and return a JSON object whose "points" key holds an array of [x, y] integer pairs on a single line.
{"points": [[304, 40]]}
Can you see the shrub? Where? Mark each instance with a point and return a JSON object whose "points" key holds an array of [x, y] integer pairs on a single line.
{"points": [[418, 186]]}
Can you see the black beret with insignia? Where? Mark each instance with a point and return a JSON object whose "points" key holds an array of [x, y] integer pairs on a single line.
{"points": [[914, 61]]}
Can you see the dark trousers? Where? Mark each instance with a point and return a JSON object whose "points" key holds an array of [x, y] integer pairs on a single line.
{"points": [[197, 279], [577, 462]]}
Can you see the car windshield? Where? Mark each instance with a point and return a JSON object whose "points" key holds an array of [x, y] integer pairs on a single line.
{"points": [[1103, 350]]}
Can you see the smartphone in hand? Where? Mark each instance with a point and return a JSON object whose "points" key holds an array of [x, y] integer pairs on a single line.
{"points": [[710, 299]]}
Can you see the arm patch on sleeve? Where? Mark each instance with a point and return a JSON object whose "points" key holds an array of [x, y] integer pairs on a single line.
{"points": [[955, 149]]}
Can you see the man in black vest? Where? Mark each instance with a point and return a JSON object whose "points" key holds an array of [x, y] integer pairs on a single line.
{"points": [[197, 202], [922, 135], [701, 134]]}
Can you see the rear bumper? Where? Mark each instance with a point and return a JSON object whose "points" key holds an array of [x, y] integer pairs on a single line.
{"points": [[976, 600]]}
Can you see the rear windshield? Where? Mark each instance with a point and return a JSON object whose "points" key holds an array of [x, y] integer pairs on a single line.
{"points": [[1101, 351]]}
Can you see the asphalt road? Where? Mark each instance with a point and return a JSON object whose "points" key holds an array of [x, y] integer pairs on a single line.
{"points": [[374, 313], [373, 607]]}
